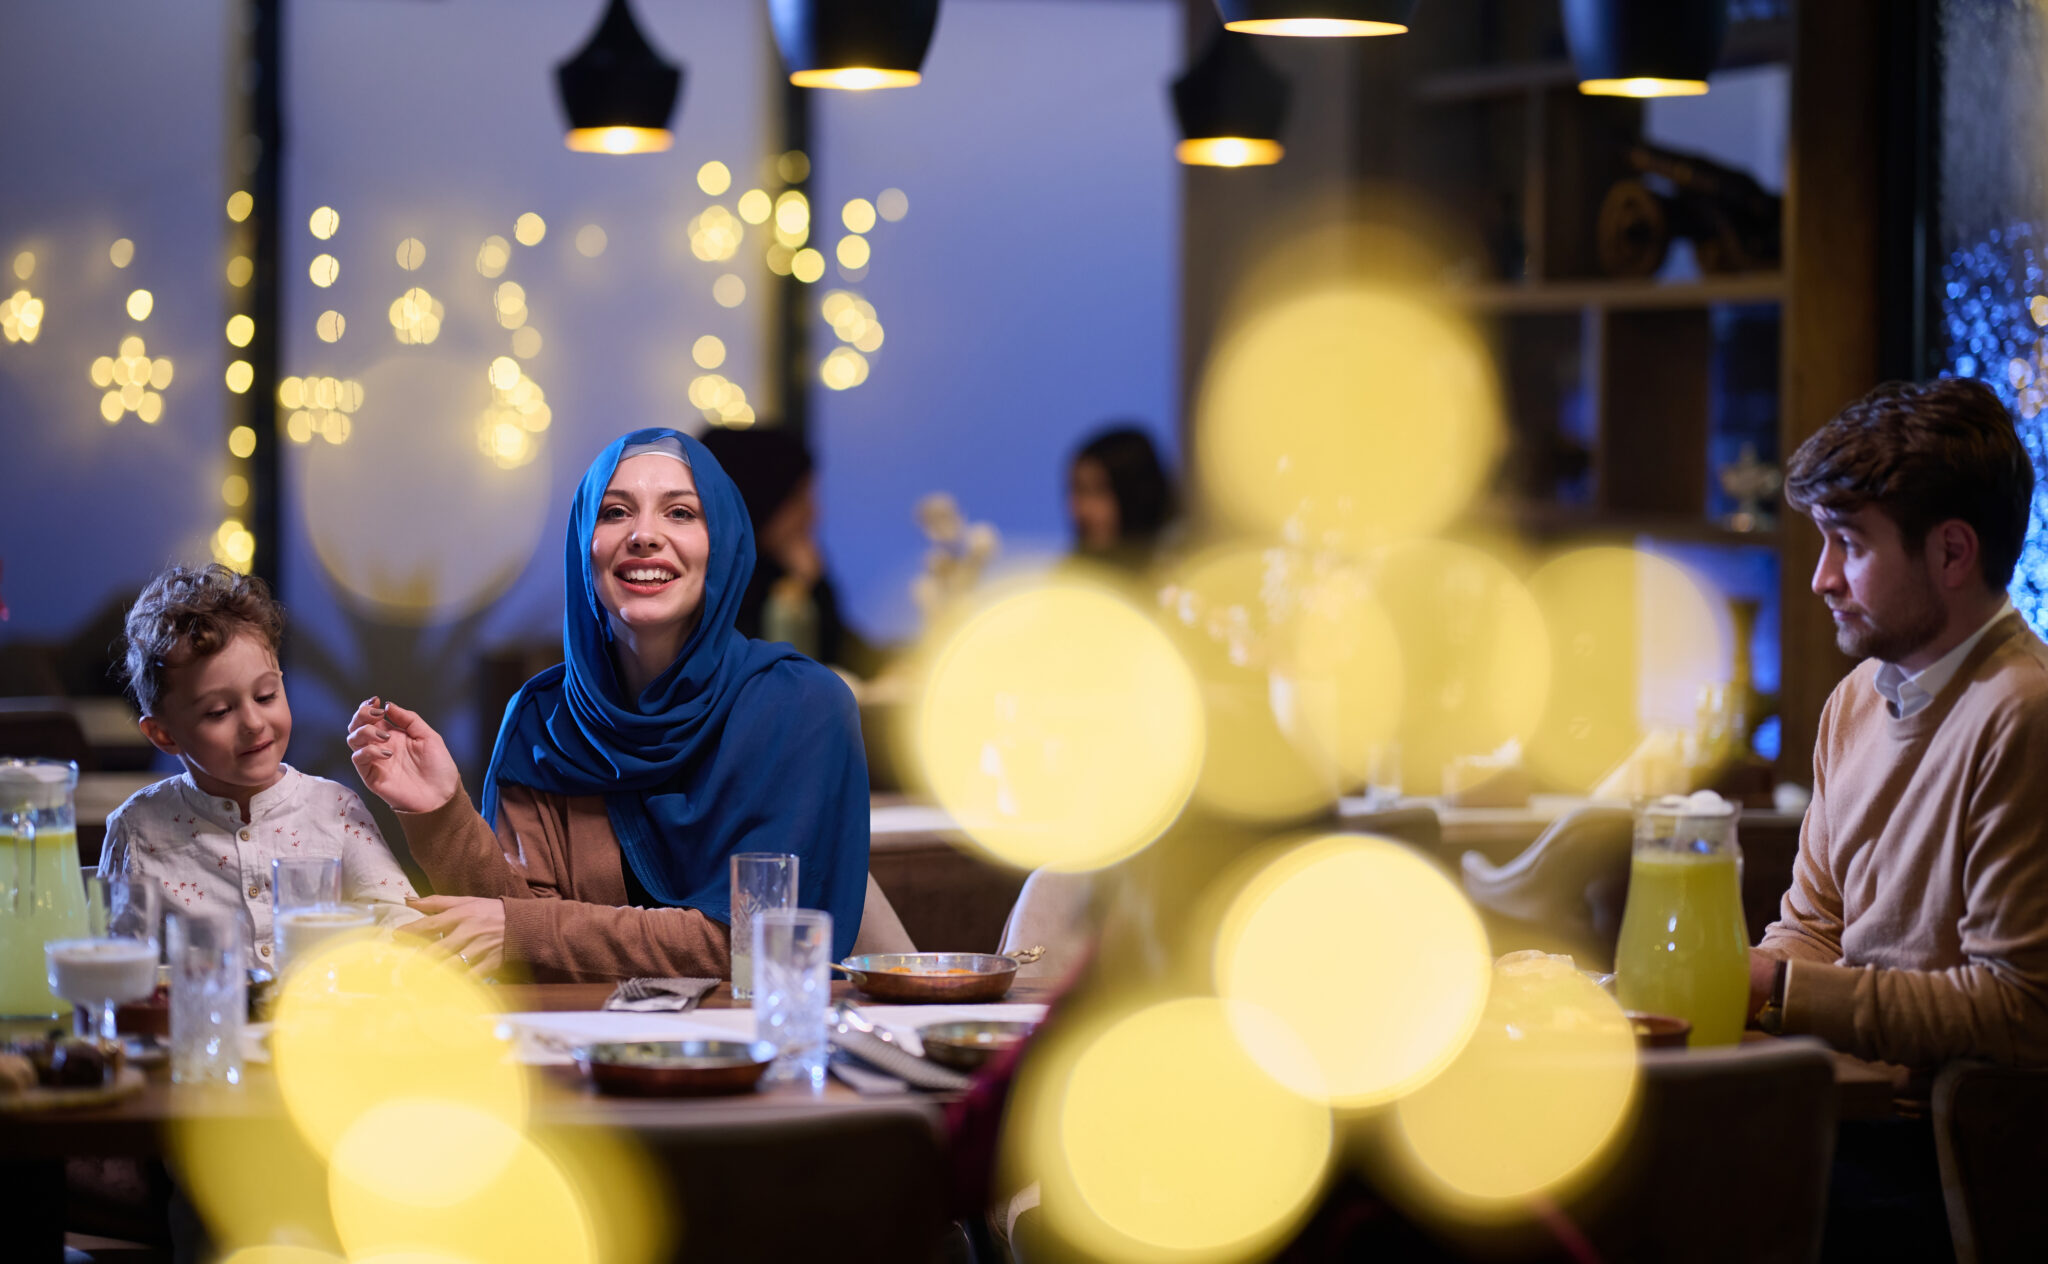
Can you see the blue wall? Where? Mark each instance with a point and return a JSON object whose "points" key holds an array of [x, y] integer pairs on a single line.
{"points": [[1031, 292]]}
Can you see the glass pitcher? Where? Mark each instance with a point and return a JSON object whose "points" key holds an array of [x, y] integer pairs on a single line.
{"points": [[42, 891], [1684, 947]]}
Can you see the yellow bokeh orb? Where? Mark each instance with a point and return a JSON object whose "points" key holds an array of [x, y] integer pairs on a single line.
{"points": [[714, 178], [1539, 1094], [371, 1022], [1474, 653], [1633, 638], [1059, 727], [1231, 612], [1347, 418], [1367, 954], [140, 304], [1193, 1155], [528, 1209], [529, 229]]}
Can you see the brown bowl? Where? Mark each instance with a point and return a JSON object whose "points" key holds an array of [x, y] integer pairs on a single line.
{"points": [[918, 978], [1659, 1031], [676, 1068], [966, 1046]]}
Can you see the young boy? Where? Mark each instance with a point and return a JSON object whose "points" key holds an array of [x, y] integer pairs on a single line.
{"points": [[201, 657]]}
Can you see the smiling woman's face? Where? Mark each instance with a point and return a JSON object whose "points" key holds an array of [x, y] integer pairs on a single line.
{"points": [[650, 547]]}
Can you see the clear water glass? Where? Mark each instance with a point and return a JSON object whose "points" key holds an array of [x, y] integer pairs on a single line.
{"points": [[305, 883], [793, 991], [207, 955], [761, 880]]}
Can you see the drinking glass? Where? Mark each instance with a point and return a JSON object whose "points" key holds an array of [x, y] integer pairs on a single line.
{"points": [[99, 974], [305, 883], [208, 955], [761, 880], [308, 913], [793, 968]]}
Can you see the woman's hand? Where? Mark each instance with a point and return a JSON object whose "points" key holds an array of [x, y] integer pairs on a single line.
{"points": [[471, 929], [401, 758]]}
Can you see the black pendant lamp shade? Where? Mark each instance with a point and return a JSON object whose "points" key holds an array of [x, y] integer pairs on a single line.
{"points": [[617, 91], [1316, 17], [1645, 48], [1231, 106], [854, 44]]}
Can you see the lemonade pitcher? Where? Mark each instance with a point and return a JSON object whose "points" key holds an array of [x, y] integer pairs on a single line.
{"points": [[1684, 947], [42, 892]]}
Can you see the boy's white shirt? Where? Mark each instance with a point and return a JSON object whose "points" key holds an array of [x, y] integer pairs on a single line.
{"points": [[198, 851]]}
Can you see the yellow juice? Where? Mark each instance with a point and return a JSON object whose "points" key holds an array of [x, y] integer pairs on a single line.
{"points": [[42, 897], [1684, 948]]}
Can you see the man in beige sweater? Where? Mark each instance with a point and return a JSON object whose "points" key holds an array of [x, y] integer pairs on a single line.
{"points": [[1916, 927]]}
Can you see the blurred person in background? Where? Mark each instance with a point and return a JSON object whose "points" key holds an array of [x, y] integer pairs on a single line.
{"points": [[790, 597], [1119, 498]]}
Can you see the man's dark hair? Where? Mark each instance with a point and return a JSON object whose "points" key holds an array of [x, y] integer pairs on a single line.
{"points": [[1924, 454], [189, 613]]}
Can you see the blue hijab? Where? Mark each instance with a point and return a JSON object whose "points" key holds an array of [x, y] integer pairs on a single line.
{"points": [[739, 746]]}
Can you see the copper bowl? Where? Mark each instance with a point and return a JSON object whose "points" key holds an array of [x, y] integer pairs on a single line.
{"points": [[966, 1046], [675, 1068], [1659, 1031], [921, 978]]}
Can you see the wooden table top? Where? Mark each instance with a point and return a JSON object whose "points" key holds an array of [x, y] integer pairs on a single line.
{"points": [[135, 1126]]}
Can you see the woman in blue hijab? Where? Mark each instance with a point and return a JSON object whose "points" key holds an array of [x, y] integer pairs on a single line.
{"points": [[624, 780]]}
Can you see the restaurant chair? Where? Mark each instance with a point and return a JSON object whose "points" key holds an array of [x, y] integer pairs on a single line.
{"points": [[1991, 1139], [1727, 1159], [1051, 912], [46, 735], [880, 929], [1564, 893], [858, 1183]]}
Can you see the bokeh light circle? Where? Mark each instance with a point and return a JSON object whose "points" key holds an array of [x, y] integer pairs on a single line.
{"points": [[1474, 653], [393, 512], [371, 1022], [1232, 612], [1156, 1137], [1368, 955], [528, 1210], [1059, 727], [1347, 417], [1633, 638], [1541, 1091]]}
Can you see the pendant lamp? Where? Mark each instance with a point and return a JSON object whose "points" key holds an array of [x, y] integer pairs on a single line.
{"points": [[1231, 106], [1316, 17], [1645, 48], [853, 44], [617, 91]]}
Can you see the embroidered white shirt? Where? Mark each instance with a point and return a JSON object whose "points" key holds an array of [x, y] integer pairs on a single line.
{"points": [[199, 851], [1910, 694]]}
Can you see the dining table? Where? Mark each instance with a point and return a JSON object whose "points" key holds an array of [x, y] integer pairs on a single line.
{"points": [[34, 1146]]}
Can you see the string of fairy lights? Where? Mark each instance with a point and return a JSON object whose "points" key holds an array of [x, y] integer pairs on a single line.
{"points": [[322, 408]]}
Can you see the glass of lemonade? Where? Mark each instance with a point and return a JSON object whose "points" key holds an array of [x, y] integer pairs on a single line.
{"points": [[761, 881], [99, 974], [1684, 947], [42, 895]]}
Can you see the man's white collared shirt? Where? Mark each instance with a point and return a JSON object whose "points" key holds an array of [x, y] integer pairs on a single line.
{"points": [[1910, 694]]}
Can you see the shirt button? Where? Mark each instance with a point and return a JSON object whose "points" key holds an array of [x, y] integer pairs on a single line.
{"points": [[245, 836], [264, 949], [255, 891]]}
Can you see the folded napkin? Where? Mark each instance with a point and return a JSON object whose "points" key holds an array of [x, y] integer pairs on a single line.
{"points": [[648, 996], [905, 1066]]}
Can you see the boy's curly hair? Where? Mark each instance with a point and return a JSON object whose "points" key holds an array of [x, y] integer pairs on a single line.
{"points": [[188, 613]]}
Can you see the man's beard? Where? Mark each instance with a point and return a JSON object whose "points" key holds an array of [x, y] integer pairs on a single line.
{"points": [[1900, 634]]}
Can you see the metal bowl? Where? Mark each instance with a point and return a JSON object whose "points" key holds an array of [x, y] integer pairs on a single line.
{"points": [[966, 1046], [675, 1068], [917, 978]]}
